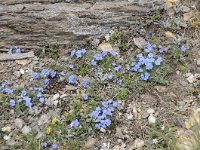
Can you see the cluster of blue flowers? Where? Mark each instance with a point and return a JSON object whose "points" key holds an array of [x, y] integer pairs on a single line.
{"points": [[12, 50], [78, 53], [99, 57], [53, 146], [103, 113], [75, 123], [146, 61]]}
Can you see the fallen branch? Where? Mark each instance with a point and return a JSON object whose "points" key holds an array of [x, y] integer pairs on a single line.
{"points": [[4, 57]]}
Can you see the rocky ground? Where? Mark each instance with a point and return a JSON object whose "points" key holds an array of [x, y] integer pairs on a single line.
{"points": [[46, 102]]}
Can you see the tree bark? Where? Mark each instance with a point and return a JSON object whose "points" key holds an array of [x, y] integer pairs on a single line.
{"points": [[34, 23]]}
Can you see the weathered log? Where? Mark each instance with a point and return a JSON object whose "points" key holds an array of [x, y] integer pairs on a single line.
{"points": [[33, 23]]}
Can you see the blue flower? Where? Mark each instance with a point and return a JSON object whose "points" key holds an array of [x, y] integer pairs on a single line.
{"points": [[12, 103], [73, 53], [19, 100], [150, 55], [46, 81], [107, 112], [78, 53], [7, 90], [62, 73], [118, 68], [41, 89], [18, 50], [75, 123], [113, 53], [85, 97], [149, 47], [28, 101], [54, 146], [53, 74], [145, 76], [44, 144], [45, 72], [98, 126], [93, 62], [105, 104], [133, 63], [72, 79], [107, 122], [23, 93], [115, 104], [110, 77], [161, 49], [149, 66], [39, 95], [35, 75], [158, 61], [105, 53], [71, 66], [41, 99], [10, 51], [95, 113], [98, 57], [183, 48], [119, 82], [85, 84]]}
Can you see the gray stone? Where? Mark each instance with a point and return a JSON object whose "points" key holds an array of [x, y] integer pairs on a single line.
{"points": [[19, 123], [43, 119], [150, 111], [6, 137], [26, 130], [140, 42], [55, 97], [152, 119]]}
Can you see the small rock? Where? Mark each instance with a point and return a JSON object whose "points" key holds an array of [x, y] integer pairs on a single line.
{"points": [[138, 143], [169, 35], [40, 135], [6, 129], [63, 96], [129, 116], [26, 130], [152, 119], [95, 42], [140, 42], [43, 119], [105, 47], [19, 123], [185, 9], [161, 89], [55, 97], [150, 111], [55, 103], [145, 115], [198, 62], [6, 137], [187, 16], [21, 71], [90, 142], [22, 62], [17, 73], [191, 79]]}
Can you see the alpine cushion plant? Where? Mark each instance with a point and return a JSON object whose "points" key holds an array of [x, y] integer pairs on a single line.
{"points": [[103, 113]]}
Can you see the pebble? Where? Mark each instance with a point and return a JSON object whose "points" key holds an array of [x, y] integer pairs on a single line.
{"points": [[129, 116], [152, 119], [55, 97], [55, 103], [138, 143], [21, 71], [140, 42], [63, 96], [191, 78], [150, 111], [198, 62], [40, 135], [90, 142], [26, 130], [19, 123], [6, 137], [105, 47], [161, 89], [169, 35], [43, 119], [17, 74], [6, 129]]}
